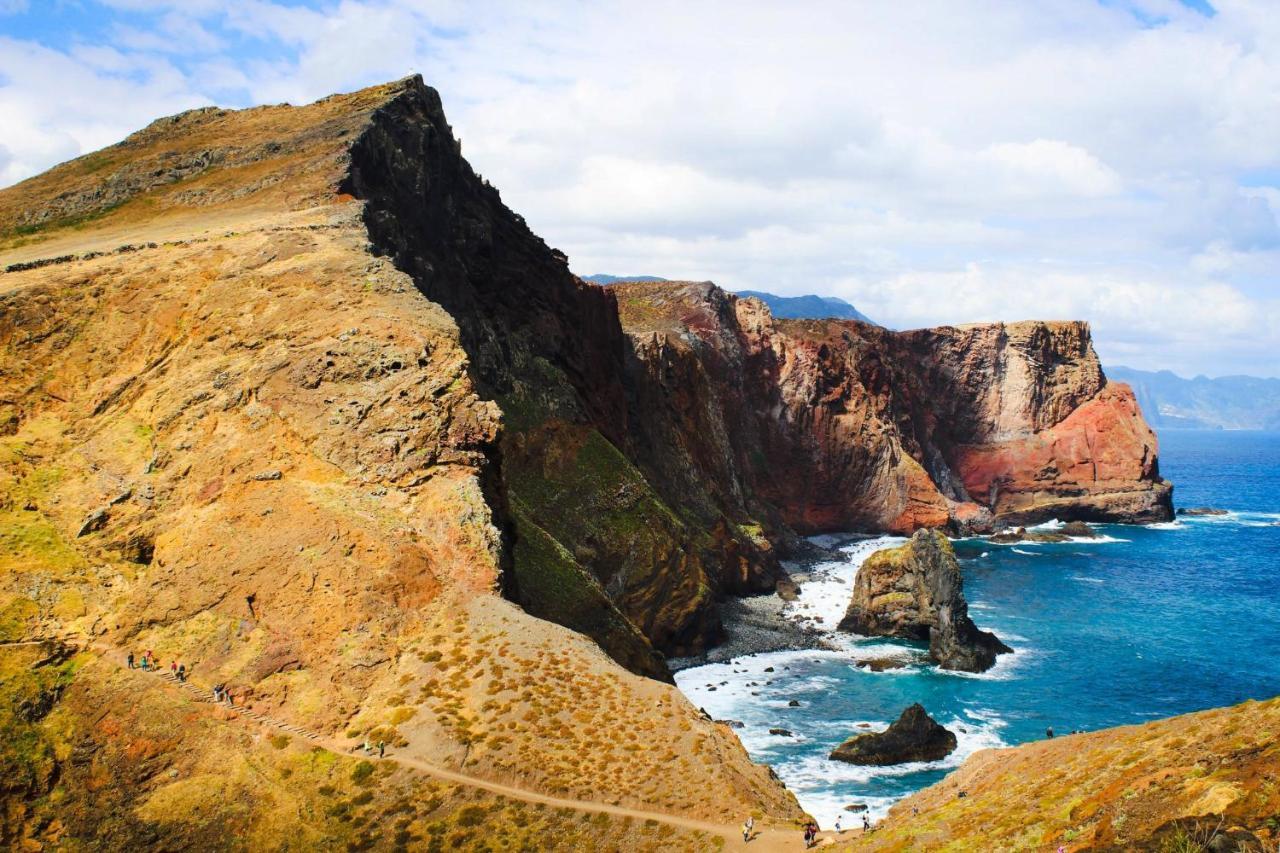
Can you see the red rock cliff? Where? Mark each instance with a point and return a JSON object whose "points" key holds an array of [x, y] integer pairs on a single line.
{"points": [[837, 425]]}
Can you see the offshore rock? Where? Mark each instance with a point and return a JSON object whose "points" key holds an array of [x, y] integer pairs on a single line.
{"points": [[915, 592], [914, 736]]}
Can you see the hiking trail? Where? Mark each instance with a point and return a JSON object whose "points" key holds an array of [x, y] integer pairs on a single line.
{"points": [[764, 838]]}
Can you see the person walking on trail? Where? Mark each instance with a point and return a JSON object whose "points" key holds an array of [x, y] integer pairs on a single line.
{"points": [[749, 825], [866, 824], [173, 668], [182, 672], [382, 748], [368, 750], [130, 660], [837, 828]]}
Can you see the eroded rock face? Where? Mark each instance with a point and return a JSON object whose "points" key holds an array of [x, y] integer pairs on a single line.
{"points": [[828, 425], [916, 592], [914, 736]]}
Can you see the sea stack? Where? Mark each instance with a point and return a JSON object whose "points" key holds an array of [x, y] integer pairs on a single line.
{"points": [[916, 592], [914, 736]]}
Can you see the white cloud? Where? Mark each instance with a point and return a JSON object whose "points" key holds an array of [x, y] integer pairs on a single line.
{"points": [[934, 161]]}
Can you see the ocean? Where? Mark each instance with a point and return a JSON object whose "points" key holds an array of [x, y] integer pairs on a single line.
{"points": [[1142, 623]]}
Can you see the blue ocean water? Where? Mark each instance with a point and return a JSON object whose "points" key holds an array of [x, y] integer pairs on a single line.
{"points": [[1148, 622]]}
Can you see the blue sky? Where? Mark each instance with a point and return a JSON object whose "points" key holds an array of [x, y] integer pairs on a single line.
{"points": [[935, 161]]}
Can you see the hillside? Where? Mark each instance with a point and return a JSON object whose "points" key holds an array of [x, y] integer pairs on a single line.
{"points": [[1228, 402]]}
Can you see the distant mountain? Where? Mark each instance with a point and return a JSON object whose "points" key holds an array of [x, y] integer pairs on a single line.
{"points": [[1229, 402], [808, 307], [601, 278]]}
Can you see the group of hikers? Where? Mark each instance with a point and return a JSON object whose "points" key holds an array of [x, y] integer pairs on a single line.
{"points": [[382, 748], [748, 827], [150, 663]]}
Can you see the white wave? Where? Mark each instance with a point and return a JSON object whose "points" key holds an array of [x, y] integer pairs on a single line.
{"points": [[825, 596], [1026, 553], [1240, 518], [1167, 525], [1048, 526], [1005, 666], [1083, 579]]}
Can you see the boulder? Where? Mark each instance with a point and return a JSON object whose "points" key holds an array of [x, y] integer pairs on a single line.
{"points": [[1201, 510], [916, 592], [787, 589], [881, 664], [780, 732], [1078, 530], [856, 807], [914, 736]]}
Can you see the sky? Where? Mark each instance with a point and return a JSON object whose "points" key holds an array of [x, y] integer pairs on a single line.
{"points": [[931, 161]]}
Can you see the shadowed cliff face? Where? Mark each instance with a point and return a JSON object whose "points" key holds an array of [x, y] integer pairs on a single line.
{"points": [[839, 425], [605, 538]]}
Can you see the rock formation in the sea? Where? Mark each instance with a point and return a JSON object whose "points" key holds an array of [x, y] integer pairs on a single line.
{"points": [[914, 736], [915, 591], [1067, 532], [822, 425], [1196, 511], [1202, 781]]}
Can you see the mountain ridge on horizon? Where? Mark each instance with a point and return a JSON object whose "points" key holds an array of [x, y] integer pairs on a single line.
{"points": [[1236, 402], [809, 306]]}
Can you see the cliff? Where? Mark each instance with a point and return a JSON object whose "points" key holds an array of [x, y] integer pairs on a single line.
{"points": [[840, 425], [915, 592]]}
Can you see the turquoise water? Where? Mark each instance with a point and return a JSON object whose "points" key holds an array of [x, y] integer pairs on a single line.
{"points": [[1146, 623]]}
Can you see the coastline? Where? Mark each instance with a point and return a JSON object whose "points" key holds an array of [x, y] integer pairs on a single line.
{"points": [[753, 626], [759, 624]]}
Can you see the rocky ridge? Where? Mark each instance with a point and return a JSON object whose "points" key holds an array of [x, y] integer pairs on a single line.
{"points": [[307, 444]]}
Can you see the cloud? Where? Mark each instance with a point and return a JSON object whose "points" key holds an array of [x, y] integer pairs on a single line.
{"points": [[935, 161]]}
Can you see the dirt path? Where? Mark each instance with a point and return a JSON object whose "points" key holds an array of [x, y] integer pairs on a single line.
{"points": [[764, 838]]}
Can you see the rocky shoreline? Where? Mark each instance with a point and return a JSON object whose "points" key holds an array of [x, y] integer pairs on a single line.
{"points": [[759, 624], [754, 626]]}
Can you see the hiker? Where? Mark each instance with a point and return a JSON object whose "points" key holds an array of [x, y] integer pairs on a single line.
{"points": [[839, 818], [382, 748], [1049, 732], [749, 825], [173, 668], [130, 660], [368, 750], [144, 663], [866, 823], [217, 693], [182, 672]]}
